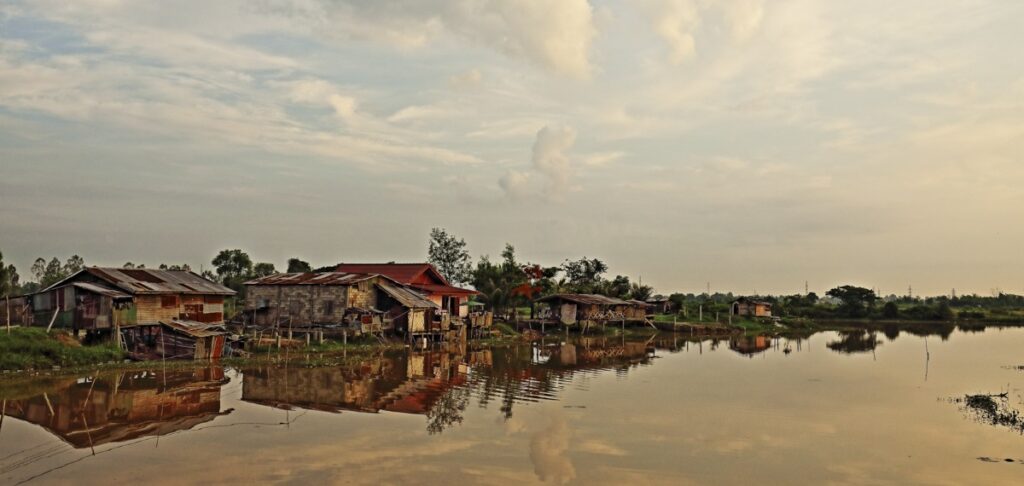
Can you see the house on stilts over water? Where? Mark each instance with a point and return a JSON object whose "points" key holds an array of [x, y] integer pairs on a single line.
{"points": [[349, 302], [151, 308]]}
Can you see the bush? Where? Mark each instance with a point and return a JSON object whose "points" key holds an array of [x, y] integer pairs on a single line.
{"points": [[33, 348]]}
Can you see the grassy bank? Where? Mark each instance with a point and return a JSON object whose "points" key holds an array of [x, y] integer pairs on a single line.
{"points": [[32, 348]]}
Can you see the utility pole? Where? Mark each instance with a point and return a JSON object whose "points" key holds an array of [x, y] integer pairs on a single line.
{"points": [[709, 289], [910, 292]]}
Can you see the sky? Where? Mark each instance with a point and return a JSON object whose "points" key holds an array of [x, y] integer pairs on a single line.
{"points": [[753, 144]]}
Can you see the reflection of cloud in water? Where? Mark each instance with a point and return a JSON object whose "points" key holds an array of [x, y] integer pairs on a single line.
{"points": [[548, 451], [594, 446]]}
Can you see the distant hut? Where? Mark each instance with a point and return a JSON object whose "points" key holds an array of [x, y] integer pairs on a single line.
{"points": [[570, 309], [661, 305], [751, 308]]}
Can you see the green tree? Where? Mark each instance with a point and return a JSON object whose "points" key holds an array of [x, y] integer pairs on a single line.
{"points": [[298, 266], [183, 267], [263, 269], [944, 311], [890, 310], [641, 292], [857, 301], [449, 255], [233, 267], [73, 265], [8, 278], [584, 275]]}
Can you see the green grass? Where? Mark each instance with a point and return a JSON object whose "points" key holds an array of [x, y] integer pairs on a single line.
{"points": [[32, 348]]}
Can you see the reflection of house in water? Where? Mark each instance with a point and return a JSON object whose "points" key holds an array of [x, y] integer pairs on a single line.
{"points": [[750, 345], [121, 407], [407, 382]]}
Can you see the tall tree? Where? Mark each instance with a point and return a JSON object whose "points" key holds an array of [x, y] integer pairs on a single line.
{"points": [[233, 268], [296, 265], [73, 265], [584, 275], [263, 269], [8, 278], [449, 255]]}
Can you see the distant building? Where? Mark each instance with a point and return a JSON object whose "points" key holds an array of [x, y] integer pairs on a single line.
{"points": [[97, 299], [420, 276], [572, 309], [751, 308], [661, 305]]}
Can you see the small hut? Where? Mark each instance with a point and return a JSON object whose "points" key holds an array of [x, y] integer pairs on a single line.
{"points": [[569, 309], [174, 339], [751, 308]]}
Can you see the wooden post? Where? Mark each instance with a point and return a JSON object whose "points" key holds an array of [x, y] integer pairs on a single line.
{"points": [[52, 319], [700, 311], [8, 298]]}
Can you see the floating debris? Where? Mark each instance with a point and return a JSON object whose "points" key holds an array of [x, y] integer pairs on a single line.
{"points": [[993, 409]]}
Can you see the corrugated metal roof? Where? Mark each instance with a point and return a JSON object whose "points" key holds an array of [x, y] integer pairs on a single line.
{"points": [[311, 278], [406, 296], [587, 299], [98, 289], [404, 273], [443, 289], [136, 281], [195, 329]]}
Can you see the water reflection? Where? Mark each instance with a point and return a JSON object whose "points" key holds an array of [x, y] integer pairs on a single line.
{"points": [[439, 383], [88, 412], [851, 342]]}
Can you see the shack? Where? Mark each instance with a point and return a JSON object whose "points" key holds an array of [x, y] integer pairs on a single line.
{"points": [[340, 299], [424, 278], [587, 309], [175, 339], [751, 308], [660, 304], [99, 299]]}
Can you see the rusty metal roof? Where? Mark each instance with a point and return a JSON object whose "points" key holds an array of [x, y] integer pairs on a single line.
{"points": [[586, 299], [101, 290], [443, 289], [145, 281], [404, 273], [406, 296], [311, 278], [195, 329]]}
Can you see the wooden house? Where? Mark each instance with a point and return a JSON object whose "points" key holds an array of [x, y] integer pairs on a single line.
{"points": [[98, 299], [175, 339], [570, 309], [330, 299], [751, 308], [661, 305], [422, 277]]}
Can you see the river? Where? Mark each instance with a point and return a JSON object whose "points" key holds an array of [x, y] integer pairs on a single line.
{"points": [[826, 408]]}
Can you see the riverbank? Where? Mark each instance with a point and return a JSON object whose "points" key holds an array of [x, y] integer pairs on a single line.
{"points": [[32, 351]]}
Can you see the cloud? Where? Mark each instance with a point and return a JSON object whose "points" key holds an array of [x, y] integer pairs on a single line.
{"points": [[548, 451], [466, 80], [554, 35], [678, 22], [551, 160]]}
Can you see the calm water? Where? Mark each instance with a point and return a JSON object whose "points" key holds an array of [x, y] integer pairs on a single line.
{"points": [[828, 408]]}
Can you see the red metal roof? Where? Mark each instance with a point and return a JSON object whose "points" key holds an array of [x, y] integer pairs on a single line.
{"points": [[405, 273]]}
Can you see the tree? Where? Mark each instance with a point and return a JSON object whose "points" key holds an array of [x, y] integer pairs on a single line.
{"points": [[8, 278], [298, 266], [857, 301], [641, 292], [183, 267], [890, 310], [449, 255], [584, 275], [233, 268], [263, 269], [73, 265]]}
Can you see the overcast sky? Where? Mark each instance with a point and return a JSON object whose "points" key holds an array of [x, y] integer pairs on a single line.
{"points": [[754, 144]]}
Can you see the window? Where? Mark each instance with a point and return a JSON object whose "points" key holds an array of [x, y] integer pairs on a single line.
{"points": [[168, 301]]}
